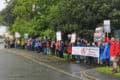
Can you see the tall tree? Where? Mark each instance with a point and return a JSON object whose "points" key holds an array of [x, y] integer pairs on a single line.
{"points": [[49, 16], [7, 15]]}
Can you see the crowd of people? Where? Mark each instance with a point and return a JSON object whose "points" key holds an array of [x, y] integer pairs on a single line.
{"points": [[109, 49]]}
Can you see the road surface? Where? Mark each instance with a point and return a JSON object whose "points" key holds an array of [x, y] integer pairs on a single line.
{"points": [[14, 67]]}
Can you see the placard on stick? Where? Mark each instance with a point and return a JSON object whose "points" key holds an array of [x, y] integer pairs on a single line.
{"points": [[58, 36]]}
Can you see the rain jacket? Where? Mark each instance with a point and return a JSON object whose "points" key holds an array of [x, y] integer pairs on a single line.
{"points": [[114, 47]]}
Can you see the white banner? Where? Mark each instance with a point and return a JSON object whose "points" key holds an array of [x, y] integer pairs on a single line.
{"points": [[73, 38], [86, 51], [58, 36]]}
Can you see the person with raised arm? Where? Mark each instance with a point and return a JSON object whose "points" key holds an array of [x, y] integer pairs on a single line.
{"points": [[114, 53]]}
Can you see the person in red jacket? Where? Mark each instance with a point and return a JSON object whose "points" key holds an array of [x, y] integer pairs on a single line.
{"points": [[114, 52], [57, 45], [69, 50], [48, 47], [117, 46]]}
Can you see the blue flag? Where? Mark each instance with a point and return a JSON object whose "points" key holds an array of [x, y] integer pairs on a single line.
{"points": [[105, 51]]}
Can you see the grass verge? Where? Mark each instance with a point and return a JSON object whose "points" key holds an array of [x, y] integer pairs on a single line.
{"points": [[107, 70]]}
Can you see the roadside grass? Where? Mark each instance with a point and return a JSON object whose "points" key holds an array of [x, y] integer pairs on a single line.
{"points": [[82, 58], [107, 70]]}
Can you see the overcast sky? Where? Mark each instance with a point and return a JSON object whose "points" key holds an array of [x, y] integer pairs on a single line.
{"points": [[2, 4]]}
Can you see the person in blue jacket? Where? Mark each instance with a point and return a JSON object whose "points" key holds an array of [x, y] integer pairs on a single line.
{"points": [[79, 44], [36, 45], [61, 49]]}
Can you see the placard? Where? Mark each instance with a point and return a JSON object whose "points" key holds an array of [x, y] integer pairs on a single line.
{"points": [[58, 36], [107, 26], [26, 35], [99, 30], [17, 35], [73, 37]]}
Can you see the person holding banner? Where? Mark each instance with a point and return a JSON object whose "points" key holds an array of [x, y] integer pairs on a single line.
{"points": [[61, 49], [79, 44], [88, 59]]}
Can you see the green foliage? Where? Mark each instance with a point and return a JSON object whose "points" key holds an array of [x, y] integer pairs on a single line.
{"points": [[1, 19], [68, 16], [107, 70], [49, 33], [23, 8], [22, 26], [7, 16]]}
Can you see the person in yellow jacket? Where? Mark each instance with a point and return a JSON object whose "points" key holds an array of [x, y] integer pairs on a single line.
{"points": [[18, 43], [23, 43]]}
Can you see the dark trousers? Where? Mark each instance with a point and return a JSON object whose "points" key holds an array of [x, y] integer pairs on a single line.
{"points": [[53, 51], [57, 53], [61, 54]]}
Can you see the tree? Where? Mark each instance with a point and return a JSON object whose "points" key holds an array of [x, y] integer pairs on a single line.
{"points": [[1, 19], [7, 16], [48, 16]]}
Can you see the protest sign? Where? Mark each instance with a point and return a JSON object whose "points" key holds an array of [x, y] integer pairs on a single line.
{"points": [[99, 30], [11, 37], [107, 26], [58, 36], [17, 35], [99, 35], [26, 35], [73, 37]]}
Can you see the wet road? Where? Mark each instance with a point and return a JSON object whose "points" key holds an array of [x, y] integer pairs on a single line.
{"points": [[14, 67]]}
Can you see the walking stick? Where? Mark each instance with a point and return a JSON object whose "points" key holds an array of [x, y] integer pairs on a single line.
{"points": [[119, 64]]}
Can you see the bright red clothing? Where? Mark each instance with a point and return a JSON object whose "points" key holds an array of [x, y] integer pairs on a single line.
{"points": [[56, 45], [114, 47], [117, 46], [48, 45], [69, 49]]}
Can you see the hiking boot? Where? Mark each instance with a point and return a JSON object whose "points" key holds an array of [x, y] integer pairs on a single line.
{"points": [[114, 71]]}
